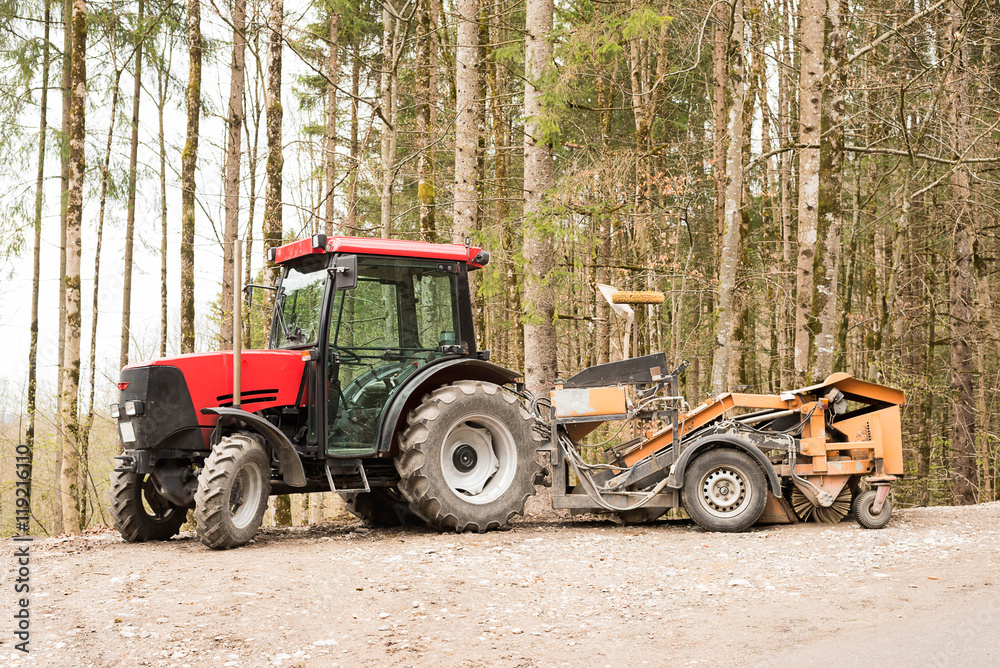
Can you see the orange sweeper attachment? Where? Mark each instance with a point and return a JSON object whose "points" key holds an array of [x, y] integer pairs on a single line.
{"points": [[810, 454]]}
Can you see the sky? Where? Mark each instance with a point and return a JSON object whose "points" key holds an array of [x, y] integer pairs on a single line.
{"points": [[16, 272]]}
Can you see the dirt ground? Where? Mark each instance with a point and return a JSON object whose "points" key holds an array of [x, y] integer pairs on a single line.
{"points": [[923, 591]]}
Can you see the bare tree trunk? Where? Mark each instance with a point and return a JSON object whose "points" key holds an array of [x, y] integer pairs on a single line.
{"points": [[784, 130], [189, 165], [963, 427], [253, 146], [831, 185], [466, 119], [387, 110], [540, 362], [36, 275], [331, 125], [133, 162], [425, 99], [810, 112], [255, 103], [58, 525], [273, 226], [85, 429], [730, 257], [163, 73], [927, 429], [69, 483], [232, 187], [352, 184], [721, 22]]}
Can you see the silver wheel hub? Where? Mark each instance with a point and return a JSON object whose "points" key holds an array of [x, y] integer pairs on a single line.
{"points": [[245, 495], [479, 459], [724, 492]]}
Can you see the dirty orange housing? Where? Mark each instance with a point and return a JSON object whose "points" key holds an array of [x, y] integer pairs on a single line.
{"points": [[874, 435]]}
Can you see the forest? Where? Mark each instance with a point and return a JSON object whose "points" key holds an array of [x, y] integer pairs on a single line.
{"points": [[812, 184]]}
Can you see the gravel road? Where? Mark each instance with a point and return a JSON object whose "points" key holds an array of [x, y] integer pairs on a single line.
{"points": [[923, 591]]}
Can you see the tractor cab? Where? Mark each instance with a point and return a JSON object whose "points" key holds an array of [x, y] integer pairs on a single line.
{"points": [[375, 312]]}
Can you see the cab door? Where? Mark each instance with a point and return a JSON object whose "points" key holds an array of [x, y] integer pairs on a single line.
{"points": [[399, 316]]}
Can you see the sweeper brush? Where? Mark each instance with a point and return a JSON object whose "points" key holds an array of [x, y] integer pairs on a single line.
{"points": [[807, 510]]}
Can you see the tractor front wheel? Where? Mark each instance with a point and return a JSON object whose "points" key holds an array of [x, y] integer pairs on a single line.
{"points": [[724, 490], [467, 461], [232, 492], [139, 512]]}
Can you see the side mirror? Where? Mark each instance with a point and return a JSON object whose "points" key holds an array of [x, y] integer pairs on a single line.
{"points": [[345, 272], [248, 291]]}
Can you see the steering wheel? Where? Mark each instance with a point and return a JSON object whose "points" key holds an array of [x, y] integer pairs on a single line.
{"points": [[385, 374]]}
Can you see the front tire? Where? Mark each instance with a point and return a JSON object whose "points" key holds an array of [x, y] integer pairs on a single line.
{"points": [[724, 490], [232, 492], [467, 459], [139, 512]]}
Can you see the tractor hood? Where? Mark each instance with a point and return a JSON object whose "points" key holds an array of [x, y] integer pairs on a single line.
{"points": [[177, 388]]}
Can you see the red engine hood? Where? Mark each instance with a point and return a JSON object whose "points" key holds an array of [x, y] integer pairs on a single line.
{"points": [[268, 378]]}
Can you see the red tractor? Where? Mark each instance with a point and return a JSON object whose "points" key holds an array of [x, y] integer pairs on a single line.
{"points": [[371, 386]]}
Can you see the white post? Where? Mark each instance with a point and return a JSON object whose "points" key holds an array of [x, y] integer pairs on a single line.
{"points": [[237, 318]]}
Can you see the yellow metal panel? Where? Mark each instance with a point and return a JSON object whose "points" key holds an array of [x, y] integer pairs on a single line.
{"points": [[814, 446], [882, 429], [583, 402], [837, 467], [892, 440]]}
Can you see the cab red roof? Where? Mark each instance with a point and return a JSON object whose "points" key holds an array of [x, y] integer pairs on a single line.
{"points": [[367, 246]]}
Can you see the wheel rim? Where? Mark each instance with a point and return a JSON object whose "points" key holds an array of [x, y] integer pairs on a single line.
{"points": [[245, 495], [479, 458], [725, 492], [154, 505]]}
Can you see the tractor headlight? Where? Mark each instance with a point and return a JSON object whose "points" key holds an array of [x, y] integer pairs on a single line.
{"points": [[133, 408], [115, 411]]}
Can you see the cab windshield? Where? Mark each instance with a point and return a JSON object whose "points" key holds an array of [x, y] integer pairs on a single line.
{"points": [[298, 305]]}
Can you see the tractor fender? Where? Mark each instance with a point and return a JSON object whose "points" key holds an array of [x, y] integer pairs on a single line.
{"points": [[288, 459], [429, 378], [676, 478]]}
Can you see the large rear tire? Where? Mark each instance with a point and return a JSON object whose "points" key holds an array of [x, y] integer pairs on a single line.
{"points": [[381, 507], [232, 492], [724, 490], [139, 512], [467, 461]]}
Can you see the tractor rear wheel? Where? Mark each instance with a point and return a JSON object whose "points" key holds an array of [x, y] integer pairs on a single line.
{"points": [[382, 507], [467, 461], [139, 512], [232, 491], [724, 490]]}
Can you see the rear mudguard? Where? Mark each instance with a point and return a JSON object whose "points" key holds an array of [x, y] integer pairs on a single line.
{"points": [[288, 459], [676, 478], [429, 379]]}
